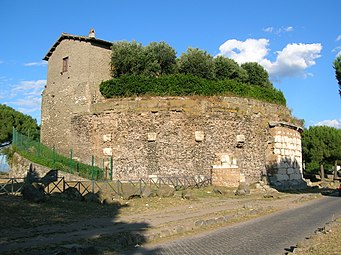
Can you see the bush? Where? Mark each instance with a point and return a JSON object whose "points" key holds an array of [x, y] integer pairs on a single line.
{"points": [[185, 85], [196, 62]]}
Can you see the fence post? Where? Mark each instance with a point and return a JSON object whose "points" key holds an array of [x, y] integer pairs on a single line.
{"points": [[38, 149], [111, 165], [92, 174], [71, 161], [63, 183], [13, 135], [53, 154], [104, 172]]}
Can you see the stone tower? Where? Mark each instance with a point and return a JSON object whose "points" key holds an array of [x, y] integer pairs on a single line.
{"points": [[76, 66]]}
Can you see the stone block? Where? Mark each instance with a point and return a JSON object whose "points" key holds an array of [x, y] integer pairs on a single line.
{"points": [[151, 137], [282, 171], [242, 178], [282, 177], [287, 152], [278, 139], [296, 176], [225, 159], [228, 177], [107, 151], [107, 138], [199, 136], [240, 138], [277, 151], [278, 146], [290, 170]]}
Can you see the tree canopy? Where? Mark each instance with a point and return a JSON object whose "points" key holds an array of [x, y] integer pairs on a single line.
{"points": [[196, 62], [158, 58], [257, 75], [321, 145], [155, 70], [337, 67], [10, 118], [226, 68], [132, 58]]}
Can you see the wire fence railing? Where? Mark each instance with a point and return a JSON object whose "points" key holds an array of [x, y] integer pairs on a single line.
{"points": [[120, 188], [41, 154]]}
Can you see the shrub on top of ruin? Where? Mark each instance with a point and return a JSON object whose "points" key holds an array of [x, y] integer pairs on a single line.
{"points": [[185, 85], [257, 75], [155, 70], [196, 62], [132, 58], [225, 68], [158, 58]]}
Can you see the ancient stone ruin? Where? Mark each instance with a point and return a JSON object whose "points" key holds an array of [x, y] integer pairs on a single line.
{"points": [[233, 139]]}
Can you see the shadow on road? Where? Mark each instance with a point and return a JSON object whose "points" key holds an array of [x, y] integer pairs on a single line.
{"points": [[62, 226]]}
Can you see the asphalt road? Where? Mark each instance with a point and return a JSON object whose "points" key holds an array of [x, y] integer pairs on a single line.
{"points": [[270, 234]]}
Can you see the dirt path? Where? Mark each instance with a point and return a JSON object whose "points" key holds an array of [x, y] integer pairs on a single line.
{"points": [[143, 220]]}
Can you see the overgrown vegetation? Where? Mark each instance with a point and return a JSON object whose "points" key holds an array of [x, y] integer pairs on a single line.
{"points": [[185, 85], [10, 118], [155, 70], [321, 147]]}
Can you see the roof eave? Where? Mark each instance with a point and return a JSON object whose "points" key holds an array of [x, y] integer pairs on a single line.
{"points": [[95, 41]]}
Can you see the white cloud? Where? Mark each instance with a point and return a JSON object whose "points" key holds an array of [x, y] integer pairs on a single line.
{"points": [[26, 88], [28, 104], [41, 63], [330, 123], [251, 50], [268, 29], [337, 50], [288, 29], [278, 31], [293, 60], [338, 38], [24, 96]]}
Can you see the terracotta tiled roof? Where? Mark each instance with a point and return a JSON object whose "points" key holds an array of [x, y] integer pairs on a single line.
{"points": [[94, 41]]}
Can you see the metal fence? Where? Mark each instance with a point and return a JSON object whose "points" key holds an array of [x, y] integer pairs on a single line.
{"points": [[121, 188], [49, 157]]}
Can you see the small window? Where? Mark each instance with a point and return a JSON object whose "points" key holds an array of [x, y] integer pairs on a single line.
{"points": [[65, 64]]}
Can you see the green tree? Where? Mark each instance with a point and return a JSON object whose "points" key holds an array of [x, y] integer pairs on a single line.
{"points": [[257, 75], [160, 59], [226, 68], [127, 58], [196, 62], [320, 145], [337, 67], [10, 118]]}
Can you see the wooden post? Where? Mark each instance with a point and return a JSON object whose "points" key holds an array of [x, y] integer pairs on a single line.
{"points": [[335, 171], [322, 172]]}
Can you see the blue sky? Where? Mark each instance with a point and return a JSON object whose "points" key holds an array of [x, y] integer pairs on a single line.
{"points": [[295, 40]]}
